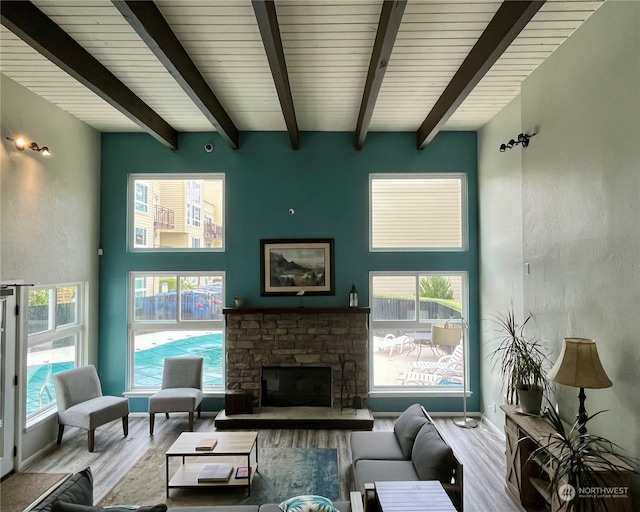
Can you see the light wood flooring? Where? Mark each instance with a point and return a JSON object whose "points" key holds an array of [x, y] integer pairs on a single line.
{"points": [[480, 451]]}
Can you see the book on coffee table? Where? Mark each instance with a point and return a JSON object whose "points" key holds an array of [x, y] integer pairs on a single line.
{"points": [[242, 472], [215, 473], [206, 445]]}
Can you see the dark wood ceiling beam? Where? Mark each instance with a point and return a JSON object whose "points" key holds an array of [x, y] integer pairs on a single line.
{"points": [[147, 20], [36, 29], [504, 27], [265, 11], [390, 18]]}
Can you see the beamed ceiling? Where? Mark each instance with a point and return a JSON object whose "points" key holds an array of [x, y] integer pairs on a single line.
{"points": [[173, 66]]}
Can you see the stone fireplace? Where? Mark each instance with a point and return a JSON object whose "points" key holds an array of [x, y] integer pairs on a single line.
{"points": [[298, 337]]}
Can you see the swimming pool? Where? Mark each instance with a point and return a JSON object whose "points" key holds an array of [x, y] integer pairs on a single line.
{"points": [[149, 363]]}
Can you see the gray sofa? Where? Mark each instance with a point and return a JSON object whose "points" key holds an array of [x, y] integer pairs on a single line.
{"points": [[77, 490], [413, 450]]}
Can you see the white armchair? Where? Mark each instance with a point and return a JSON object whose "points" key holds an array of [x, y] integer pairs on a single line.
{"points": [[81, 403], [181, 389]]}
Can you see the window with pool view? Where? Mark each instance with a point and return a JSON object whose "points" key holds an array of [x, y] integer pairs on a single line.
{"points": [[404, 307], [55, 335], [175, 314]]}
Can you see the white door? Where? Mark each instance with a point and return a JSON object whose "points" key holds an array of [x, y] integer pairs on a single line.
{"points": [[7, 377]]}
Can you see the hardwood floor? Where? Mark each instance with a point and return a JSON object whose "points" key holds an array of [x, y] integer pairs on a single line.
{"points": [[480, 451]]}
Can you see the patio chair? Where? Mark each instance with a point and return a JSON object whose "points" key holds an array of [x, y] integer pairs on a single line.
{"points": [[448, 378], [81, 403], [391, 342], [448, 362], [181, 389]]}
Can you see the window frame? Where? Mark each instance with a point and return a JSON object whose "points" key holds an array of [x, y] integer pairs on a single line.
{"points": [[178, 324], [464, 200], [416, 325], [187, 180]]}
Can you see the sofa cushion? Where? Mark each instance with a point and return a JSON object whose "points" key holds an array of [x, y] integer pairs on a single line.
{"points": [[376, 445], [369, 471], [61, 506], [307, 503], [432, 458], [76, 489], [407, 427]]}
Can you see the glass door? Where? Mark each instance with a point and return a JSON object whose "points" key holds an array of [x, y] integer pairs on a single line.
{"points": [[7, 375]]}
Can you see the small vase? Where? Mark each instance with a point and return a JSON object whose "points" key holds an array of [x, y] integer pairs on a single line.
{"points": [[238, 302]]}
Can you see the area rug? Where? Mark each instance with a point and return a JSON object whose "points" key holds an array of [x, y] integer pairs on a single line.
{"points": [[282, 473], [23, 489]]}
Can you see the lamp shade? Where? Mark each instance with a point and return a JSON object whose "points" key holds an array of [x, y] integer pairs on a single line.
{"points": [[445, 334], [579, 365]]}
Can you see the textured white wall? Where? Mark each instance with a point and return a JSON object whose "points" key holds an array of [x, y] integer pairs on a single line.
{"points": [[49, 209], [501, 263], [580, 211], [581, 207]]}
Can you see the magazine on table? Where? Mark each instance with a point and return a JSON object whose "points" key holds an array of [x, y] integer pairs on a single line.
{"points": [[215, 473]]}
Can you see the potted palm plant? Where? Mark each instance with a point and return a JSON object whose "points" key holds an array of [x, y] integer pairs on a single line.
{"points": [[521, 364], [583, 463]]}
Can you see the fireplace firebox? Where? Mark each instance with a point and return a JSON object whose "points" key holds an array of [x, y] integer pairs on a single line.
{"points": [[291, 386]]}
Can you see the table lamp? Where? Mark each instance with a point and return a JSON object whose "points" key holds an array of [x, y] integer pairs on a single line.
{"points": [[579, 366], [449, 335]]}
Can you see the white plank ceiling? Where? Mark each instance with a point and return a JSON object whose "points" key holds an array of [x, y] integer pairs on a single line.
{"points": [[327, 45]]}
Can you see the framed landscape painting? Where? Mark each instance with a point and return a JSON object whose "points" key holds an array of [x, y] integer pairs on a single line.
{"points": [[297, 267]]}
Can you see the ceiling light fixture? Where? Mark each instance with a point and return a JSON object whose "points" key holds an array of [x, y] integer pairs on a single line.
{"points": [[22, 144], [523, 140]]}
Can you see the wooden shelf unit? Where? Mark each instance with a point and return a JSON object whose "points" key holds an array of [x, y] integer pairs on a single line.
{"points": [[528, 478]]}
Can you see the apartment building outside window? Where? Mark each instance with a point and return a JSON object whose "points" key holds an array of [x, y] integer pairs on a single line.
{"points": [[168, 212]]}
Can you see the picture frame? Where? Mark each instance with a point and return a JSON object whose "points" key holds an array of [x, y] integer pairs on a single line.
{"points": [[301, 266]]}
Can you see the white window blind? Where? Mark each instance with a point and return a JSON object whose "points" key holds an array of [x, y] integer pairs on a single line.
{"points": [[417, 212]]}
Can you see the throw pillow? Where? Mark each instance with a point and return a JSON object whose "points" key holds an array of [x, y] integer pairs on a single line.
{"points": [[407, 427], [432, 458], [308, 503], [61, 506]]}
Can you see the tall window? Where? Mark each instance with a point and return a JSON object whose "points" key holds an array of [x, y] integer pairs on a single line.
{"points": [[404, 307], [55, 333], [418, 212], [175, 314], [175, 218]]}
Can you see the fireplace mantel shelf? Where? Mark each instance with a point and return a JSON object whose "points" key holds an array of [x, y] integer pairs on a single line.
{"points": [[297, 310]]}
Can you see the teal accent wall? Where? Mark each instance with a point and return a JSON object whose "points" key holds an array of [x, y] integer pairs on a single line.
{"points": [[326, 182]]}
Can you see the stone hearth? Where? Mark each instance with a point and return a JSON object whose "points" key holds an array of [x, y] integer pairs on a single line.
{"points": [[296, 337]]}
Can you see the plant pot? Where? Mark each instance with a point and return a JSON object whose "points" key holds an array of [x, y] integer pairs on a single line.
{"points": [[530, 399]]}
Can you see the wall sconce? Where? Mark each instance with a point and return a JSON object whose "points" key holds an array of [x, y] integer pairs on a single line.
{"points": [[523, 140], [22, 144]]}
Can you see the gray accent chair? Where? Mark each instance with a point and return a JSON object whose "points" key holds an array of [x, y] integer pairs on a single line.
{"points": [[181, 389], [81, 403]]}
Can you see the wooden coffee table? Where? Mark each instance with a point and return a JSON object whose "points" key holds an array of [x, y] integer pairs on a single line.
{"points": [[237, 448]]}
